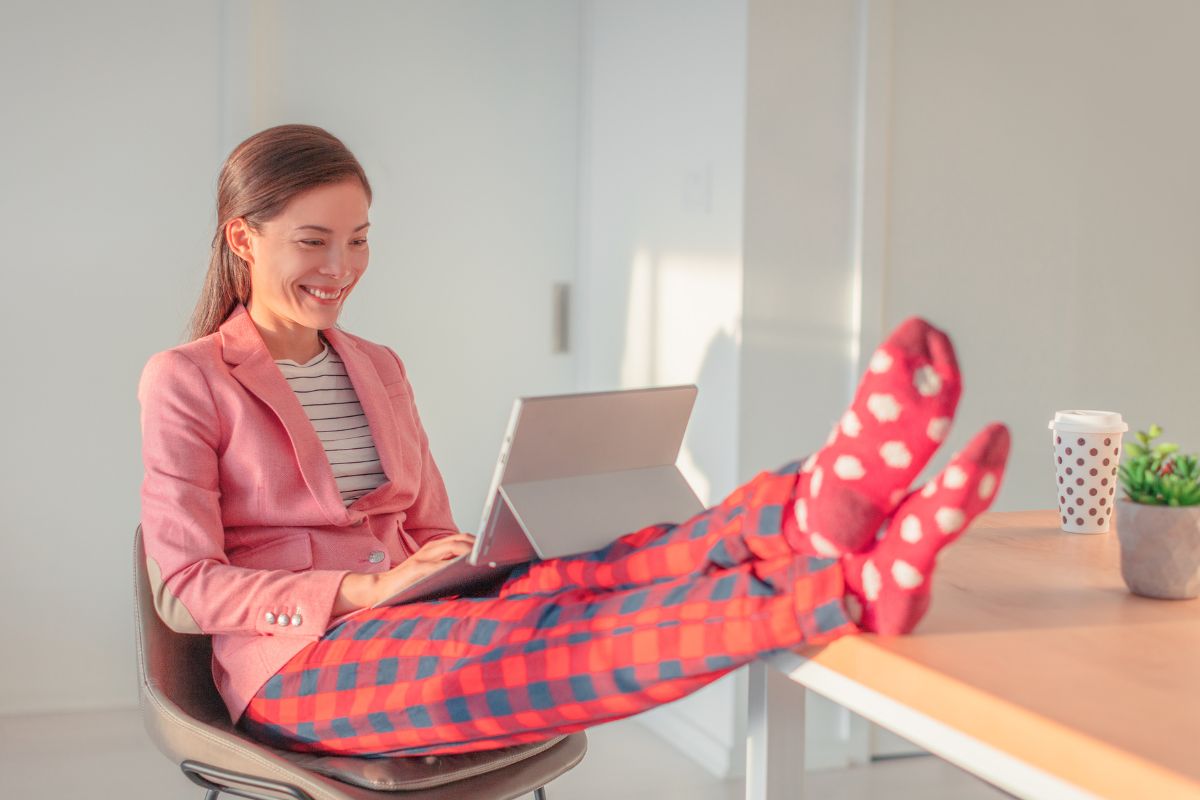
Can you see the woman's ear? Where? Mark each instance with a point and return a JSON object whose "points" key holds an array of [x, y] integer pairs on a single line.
{"points": [[237, 235]]}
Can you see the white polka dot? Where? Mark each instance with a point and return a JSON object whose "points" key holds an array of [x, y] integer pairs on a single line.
{"points": [[872, 583], [809, 463], [895, 455], [929, 489], [822, 545], [910, 529], [851, 425], [955, 478], [883, 407], [881, 362], [832, 436], [802, 514], [906, 575], [848, 468], [927, 381], [814, 485], [938, 428], [987, 486], [950, 520]]}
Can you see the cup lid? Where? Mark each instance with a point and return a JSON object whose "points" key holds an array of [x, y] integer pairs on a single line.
{"points": [[1084, 421]]}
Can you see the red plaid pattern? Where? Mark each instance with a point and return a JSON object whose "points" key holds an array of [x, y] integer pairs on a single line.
{"points": [[564, 643]]}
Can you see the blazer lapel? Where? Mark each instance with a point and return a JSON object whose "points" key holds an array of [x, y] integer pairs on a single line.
{"points": [[245, 351]]}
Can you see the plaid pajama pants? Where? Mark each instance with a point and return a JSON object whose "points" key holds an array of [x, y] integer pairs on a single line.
{"points": [[563, 643]]}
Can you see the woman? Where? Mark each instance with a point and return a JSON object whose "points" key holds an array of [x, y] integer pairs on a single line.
{"points": [[289, 486]]}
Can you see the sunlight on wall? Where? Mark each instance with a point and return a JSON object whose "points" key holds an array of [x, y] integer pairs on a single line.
{"points": [[637, 362], [684, 326]]}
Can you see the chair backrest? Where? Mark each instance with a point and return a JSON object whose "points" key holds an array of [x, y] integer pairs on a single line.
{"points": [[175, 667]]}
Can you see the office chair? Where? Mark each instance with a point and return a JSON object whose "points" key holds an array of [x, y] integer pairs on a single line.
{"points": [[188, 722]]}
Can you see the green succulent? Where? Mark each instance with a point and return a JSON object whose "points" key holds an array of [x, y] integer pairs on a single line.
{"points": [[1158, 474]]}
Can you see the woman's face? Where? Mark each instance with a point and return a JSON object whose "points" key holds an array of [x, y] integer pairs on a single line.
{"points": [[318, 242]]}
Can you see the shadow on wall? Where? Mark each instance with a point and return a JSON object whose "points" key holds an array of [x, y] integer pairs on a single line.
{"points": [[710, 446], [682, 325]]}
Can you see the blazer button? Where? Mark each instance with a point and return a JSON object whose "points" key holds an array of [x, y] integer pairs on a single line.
{"points": [[296, 620], [375, 557], [283, 619], [270, 618]]}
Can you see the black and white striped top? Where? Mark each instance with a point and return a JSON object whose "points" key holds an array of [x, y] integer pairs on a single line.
{"points": [[331, 403]]}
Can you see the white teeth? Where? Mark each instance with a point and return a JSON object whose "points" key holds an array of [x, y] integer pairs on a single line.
{"points": [[321, 294]]}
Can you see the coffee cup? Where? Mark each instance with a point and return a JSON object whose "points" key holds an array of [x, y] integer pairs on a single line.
{"points": [[1087, 448]]}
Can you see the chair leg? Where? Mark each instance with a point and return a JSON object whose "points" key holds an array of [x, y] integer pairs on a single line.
{"points": [[539, 793], [211, 794]]}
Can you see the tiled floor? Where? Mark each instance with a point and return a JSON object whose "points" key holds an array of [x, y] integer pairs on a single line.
{"points": [[106, 756]]}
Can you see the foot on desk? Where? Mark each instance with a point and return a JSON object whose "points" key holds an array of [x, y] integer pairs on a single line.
{"points": [[891, 582], [900, 415]]}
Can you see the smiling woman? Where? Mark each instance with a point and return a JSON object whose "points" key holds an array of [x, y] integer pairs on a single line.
{"points": [[290, 488]]}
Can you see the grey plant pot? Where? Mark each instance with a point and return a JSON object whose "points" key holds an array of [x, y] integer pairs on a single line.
{"points": [[1160, 550]]}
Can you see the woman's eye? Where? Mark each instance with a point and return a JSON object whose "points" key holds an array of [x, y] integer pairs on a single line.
{"points": [[318, 242]]}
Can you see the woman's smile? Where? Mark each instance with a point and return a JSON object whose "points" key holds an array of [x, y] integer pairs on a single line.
{"points": [[328, 296]]}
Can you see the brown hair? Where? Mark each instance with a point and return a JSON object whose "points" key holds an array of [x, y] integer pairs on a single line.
{"points": [[256, 181]]}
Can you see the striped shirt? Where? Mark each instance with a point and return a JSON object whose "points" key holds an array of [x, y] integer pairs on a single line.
{"points": [[329, 400]]}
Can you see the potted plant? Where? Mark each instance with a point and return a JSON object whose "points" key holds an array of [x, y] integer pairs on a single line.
{"points": [[1158, 519]]}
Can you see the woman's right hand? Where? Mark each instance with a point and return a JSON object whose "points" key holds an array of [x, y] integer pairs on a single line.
{"points": [[363, 589], [431, 557]]}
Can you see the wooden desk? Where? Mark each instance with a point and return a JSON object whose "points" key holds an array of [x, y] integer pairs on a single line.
{"points": [[1034, 669]]}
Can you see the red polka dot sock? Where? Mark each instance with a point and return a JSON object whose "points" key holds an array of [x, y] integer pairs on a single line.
{"points": [[901, 413], [891, 582]]}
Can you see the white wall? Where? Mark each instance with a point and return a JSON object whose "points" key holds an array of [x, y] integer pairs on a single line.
{"points": [[1023, 176], [117, 120], [660, 254], [1042, 207], [110, 151]]}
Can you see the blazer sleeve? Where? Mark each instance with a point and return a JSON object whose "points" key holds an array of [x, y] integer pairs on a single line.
{"points": [[196, 589], [429, 516]]}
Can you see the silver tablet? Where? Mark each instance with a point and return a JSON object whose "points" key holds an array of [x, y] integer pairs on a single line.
{"points": [[575, 472]]}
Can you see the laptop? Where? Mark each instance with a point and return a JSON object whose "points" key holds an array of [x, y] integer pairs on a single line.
{"points": [[575, 472]]}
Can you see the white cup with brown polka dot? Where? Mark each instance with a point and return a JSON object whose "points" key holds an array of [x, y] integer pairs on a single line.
{"points": [[1087, 448]]}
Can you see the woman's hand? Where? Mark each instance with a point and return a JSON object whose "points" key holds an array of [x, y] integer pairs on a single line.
{"points": [[362, 589], [429, 559]]}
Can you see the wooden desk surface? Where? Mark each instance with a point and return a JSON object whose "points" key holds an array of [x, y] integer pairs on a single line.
{"points": [[1034, 646]]}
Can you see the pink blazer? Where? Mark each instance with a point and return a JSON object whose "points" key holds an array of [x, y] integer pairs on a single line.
{"points": [[246, 535]]}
